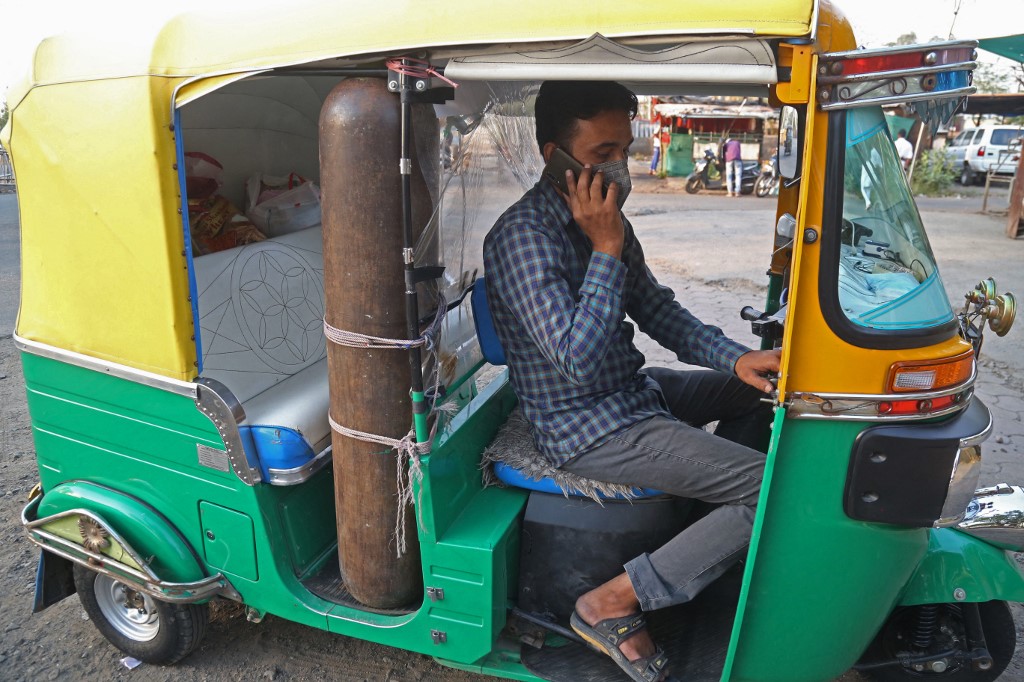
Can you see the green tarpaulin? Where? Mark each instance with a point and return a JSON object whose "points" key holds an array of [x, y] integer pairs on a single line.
{"points": [[1011, 47], [679, 156]]}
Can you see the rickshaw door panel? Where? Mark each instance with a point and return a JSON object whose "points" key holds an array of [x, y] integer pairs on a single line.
{"points": [[229, 543]]}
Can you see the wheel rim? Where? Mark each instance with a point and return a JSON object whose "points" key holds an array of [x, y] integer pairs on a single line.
{"points": [[131, 613]]}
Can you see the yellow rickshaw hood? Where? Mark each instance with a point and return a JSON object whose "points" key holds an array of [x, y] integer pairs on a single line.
{"points": [[92, 140]]}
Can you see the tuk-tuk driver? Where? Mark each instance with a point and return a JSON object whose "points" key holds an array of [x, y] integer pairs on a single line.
{"points": [[563, 272]]}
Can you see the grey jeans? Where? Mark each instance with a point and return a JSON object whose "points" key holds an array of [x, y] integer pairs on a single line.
{"points": [[679, 457]]}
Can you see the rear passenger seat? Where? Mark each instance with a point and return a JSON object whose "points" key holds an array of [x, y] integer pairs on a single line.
{"points": [[261, 310]]}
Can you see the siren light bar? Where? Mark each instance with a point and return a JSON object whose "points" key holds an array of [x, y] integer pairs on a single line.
{"points": [[928, 72]]}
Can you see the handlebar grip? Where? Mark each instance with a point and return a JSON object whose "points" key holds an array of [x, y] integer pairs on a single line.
{"points": [[750, 314]]}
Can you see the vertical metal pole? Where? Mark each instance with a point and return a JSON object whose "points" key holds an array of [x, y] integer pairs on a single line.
{"points": [[419, 403]]}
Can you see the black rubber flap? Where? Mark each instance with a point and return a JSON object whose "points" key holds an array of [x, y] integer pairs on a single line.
{"points": [[900, 473], [695, 636], [328, 584]]}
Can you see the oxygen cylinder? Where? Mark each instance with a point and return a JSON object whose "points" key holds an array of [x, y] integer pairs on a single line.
{"points": [[364, 287]]}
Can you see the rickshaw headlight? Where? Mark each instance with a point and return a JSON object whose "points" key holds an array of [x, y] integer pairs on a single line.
{"points": [[930, 375]]}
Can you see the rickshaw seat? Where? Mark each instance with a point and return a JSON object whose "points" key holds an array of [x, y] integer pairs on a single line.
{"points": [[490, 345], [260, 310]]}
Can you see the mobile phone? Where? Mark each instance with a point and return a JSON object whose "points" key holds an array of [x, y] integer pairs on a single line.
{"points": [[556, 167]]}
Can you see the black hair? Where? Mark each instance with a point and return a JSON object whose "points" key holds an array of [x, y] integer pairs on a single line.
{"points": [[561, 104], [902, 132]]}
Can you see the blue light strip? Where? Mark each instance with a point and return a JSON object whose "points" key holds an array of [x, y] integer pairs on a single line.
{"points": [[192, 288]]}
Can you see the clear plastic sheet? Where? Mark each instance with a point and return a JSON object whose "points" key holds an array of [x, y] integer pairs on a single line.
{"points": [[477, 154], [489, 158]]}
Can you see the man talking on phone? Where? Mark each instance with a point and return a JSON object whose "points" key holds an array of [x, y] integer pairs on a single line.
{"points": [[564, 269]]}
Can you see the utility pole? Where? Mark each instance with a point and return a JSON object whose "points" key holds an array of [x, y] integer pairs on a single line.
{"points": [[1013, 223]]}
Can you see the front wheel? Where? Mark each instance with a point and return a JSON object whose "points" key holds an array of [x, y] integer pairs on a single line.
{"points": [[967, 175], [145, 628], [694, 184], [763, 186], [900, 639]]}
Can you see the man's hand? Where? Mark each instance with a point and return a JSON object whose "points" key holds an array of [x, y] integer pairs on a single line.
{"points": [[752, 366], [598, 216]]}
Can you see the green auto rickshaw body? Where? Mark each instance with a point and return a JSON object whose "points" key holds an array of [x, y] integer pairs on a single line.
{"points": [[150, 467]]}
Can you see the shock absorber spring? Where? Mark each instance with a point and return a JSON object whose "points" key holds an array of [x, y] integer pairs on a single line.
{"points": [[927, 618]]}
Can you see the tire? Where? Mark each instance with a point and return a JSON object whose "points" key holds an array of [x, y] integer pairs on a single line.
{"points": [[694, 184], [763, 186], [160, 633], [996, 622], [967, 176]]}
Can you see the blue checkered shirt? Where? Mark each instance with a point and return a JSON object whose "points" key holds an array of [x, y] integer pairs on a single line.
{"points": [[560, 313]]}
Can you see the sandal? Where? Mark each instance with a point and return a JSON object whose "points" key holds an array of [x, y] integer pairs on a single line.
{"points": [[605, 637]]}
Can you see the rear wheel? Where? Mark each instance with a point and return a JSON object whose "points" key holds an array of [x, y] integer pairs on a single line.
{"points": [[763, 186], [145, 628], [899, 638], [967, 176], [694, 184]]}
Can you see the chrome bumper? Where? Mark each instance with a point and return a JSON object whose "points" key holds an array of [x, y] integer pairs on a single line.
{"points": [[131, 569], [996, 515]]}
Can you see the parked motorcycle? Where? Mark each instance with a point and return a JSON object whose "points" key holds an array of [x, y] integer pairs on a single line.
{"points": [[709, 173], [767, 183]]}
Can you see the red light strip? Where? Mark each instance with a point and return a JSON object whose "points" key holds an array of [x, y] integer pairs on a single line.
{"points": [[905, 60]]}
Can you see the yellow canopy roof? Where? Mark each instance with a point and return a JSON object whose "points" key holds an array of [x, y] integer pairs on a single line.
{"points": [[94, 147], [312, 30]]}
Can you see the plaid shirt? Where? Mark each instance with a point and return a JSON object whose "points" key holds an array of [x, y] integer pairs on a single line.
{"points": [[560, 313]]}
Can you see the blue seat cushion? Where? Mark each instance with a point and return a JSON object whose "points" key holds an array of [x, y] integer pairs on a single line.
{"points": [[514, 477], [485, 334], [278, 448]]}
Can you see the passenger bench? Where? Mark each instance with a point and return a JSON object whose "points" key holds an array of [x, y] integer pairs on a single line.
{"points": [[261, 310]]}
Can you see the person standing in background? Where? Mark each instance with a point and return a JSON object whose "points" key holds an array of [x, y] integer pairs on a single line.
{"points": [[733, 166], [656, 154], [904, 149]]}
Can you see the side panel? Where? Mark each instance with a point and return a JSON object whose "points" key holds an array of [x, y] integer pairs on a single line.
{"points": [[820, 583], [141, 441]]}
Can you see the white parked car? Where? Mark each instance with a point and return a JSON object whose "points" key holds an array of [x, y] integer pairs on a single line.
{"points": [[978, 150]]}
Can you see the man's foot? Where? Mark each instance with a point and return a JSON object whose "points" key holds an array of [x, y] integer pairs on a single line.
{"points": [[616, 599]]}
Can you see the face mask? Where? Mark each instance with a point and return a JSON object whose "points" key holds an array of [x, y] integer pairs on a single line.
{"points": [[617, 172]]}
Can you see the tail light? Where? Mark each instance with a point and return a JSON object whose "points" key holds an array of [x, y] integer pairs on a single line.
{"points": [[930, 375], [981, 151]]}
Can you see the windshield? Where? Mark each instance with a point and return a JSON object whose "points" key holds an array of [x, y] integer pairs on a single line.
{"points": [[888, 279]]}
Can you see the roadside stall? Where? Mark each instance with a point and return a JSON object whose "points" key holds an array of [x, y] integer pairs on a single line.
{"points": [[699, 125]]}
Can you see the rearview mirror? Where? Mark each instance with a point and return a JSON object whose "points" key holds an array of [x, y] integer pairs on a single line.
{"points": [[789, 143]]}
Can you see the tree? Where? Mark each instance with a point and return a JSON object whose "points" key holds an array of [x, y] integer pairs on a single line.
{"points": [[905, 39], [993, 79], [4, 114]]}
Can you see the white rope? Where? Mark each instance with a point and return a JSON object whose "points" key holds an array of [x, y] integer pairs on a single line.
{"points": [[428, 339], [406, 447]]}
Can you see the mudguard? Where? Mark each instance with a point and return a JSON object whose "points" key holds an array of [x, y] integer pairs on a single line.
{"points": [[960, 567], [163, 550]]}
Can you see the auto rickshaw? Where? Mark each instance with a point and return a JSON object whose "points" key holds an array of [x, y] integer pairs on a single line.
{"points": [[293, 415]]}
